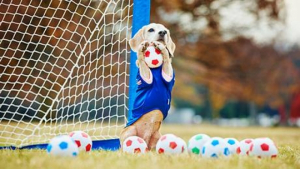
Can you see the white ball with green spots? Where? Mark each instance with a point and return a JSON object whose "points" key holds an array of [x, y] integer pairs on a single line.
{"points": [[195, 144]]}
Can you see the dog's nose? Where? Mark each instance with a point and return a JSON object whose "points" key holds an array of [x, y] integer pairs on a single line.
{"points": [[162, 33]]}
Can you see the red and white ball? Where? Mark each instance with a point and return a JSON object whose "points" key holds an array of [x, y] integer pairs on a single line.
{"points": [[183, 145], [134, 144], [153, 57], [215, 147], [82, 139], [196, 143], [233, 145], [169, 144], [263, 147], [244, 147]]}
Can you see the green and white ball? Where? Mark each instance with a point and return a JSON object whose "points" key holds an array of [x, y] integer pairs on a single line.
{"points": [[196, 143]]}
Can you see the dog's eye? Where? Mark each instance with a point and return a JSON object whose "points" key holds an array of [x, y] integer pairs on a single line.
{"points": [[151, 30], [165, 32]]}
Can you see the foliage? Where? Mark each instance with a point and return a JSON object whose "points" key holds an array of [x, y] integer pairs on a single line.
{"points": [[231, 61]]}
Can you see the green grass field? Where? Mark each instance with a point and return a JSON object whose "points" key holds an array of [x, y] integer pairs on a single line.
{"points": [[287, 140]]}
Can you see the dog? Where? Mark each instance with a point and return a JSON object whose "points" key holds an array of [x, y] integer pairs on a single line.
{"points": [[153, 98]]}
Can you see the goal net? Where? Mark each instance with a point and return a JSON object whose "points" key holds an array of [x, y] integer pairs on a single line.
{"points": [[63, 66]]}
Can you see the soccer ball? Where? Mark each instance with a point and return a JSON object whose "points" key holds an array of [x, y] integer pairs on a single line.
{"points": [[215, 147], [263, 147], [63, 146], [153, 57], [134, 144], [196, 143], [82, 139], [244, 147], [233, 144], [169, 144], [182, 144]]}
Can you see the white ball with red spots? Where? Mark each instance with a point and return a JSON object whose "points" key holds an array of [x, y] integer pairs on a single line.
{"points": [[82, 139], [170, 144], [263, 147], [183, 145], [134, 144], [244, 147], [153, 57]]}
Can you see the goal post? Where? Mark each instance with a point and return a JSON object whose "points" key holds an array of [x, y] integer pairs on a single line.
{"points": [[66, 65], [141, 17]]}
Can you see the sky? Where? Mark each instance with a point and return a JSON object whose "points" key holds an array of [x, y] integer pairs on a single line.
{"points": [[292, 30], [237, 19]]}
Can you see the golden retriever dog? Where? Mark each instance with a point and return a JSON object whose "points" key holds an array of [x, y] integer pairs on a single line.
{"points": [[154, 85]]}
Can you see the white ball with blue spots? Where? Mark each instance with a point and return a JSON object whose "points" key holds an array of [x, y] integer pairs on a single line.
{"points": [[215, 147], [62, 146], [233, 145]]}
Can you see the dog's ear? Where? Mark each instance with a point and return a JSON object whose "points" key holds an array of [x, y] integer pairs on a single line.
{"points": [[170, 45], [137, 39]]}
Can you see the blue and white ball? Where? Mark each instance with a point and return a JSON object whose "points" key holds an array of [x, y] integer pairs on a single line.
{"points": [[215, 147], [62, 146], [195, 143], [233, 144]]}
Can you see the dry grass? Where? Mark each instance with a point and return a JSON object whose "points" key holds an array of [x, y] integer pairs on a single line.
{"points": [[287, 140]]}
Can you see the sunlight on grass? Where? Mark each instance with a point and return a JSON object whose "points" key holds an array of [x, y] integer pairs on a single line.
{"points": [[287, 140]]}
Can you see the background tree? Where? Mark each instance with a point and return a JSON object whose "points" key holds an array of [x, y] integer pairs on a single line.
{"points": [[232, 48]]}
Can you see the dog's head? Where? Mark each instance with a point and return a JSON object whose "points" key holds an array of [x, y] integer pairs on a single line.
{"points": [[150, 33]]}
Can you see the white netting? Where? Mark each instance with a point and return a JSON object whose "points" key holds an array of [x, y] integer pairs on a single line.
{"points": [[63, 67]]}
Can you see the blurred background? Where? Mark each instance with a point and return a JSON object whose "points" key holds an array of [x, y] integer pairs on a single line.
{"points": [[237, 62]]}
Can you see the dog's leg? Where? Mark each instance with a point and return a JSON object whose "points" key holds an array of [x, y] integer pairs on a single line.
{"points": [[167, 66], [153, 141], [147, 134], [127, 132], [145, 71]]}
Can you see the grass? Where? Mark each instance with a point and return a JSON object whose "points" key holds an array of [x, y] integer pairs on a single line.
{"points": [[287, 140]]}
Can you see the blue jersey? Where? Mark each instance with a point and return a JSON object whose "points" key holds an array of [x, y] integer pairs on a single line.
{"points": [[154, 96]]}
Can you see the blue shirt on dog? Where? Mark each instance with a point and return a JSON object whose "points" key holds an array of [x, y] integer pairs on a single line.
{"points": [[153, 96]]}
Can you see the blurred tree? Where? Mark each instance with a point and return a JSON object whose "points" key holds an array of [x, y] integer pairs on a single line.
{"points": [[233, 48]]}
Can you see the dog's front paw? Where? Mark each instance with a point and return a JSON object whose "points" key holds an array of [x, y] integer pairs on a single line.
{"points": [[159, 45], [143, 46]]}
